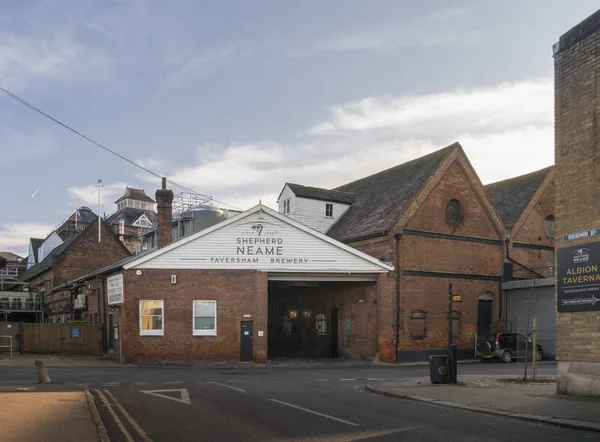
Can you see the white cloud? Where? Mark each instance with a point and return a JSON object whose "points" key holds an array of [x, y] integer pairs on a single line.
{"points": [[15, 236], [505, 130], [61, 58], [435, 29], [503, 107], [88, 195]]}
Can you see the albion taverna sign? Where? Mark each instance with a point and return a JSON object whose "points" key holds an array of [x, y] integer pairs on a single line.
{"points": [[579, 278]]}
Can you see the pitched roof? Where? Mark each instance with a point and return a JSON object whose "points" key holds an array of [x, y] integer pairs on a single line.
{"points": [[383, 197], [318, 193], [10, 256], [47, 262], [130, 215], [35, 245], [510, 197], [135, 194]]}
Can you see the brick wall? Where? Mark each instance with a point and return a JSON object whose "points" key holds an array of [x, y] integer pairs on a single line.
{"points": [[86, 254], [237, 293], [530, 229], [577, 167], [82, 256]]}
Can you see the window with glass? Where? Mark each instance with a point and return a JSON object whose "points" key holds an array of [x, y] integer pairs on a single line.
{"points": [[205, 318], [321, 324], [152, 318], [286, 207], [328, 210]]}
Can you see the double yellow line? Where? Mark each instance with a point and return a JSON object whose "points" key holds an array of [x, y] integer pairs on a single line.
{"points": [[118, 421]]}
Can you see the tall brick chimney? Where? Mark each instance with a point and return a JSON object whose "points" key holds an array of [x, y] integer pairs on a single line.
{"points": [[164, 208]]}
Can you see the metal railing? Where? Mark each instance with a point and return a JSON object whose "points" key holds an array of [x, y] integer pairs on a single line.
{"points": [[8, 346]]}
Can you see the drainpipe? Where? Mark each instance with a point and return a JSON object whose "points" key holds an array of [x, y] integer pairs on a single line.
{"points": [[506, 243], [397, 237]]}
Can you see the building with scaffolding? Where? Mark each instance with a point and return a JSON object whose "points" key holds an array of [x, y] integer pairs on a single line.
{"points": [[192, 212]]}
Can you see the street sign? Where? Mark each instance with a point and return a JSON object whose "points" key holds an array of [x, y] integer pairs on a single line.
{"points": [[457, 298], [590, 233]]}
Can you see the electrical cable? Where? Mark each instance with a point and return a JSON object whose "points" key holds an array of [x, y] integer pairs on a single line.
{"points": [[69, 128]]}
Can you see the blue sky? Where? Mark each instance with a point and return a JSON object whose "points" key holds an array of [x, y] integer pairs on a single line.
{"points": [[233, 99]]}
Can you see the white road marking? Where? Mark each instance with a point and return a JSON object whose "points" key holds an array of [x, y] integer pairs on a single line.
{"points": [[226, 386], [348, 379], [185, 397], [316, 413], [141, 383], [83, 385], [110, 384], [173, 382], [375, 379]]}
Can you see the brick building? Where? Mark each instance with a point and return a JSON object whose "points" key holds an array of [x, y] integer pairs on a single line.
{"points": [[577, 162], [526, 205], [76, 256], [430, 218], [256, 286]]}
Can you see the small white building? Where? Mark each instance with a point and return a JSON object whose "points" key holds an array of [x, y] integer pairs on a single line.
{"points": [[312, 206]]}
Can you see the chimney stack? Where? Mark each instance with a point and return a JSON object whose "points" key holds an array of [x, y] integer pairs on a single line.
{"points": [[164, 208]]}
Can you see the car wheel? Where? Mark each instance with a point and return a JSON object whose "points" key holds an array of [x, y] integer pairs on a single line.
{"points": [[506, 356], [539, 356]]}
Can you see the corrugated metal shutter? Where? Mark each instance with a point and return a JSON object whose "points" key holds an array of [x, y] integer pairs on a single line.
{"points": [[542, 303]]}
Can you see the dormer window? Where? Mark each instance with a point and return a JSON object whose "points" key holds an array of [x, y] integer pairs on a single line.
{"points": [[329, 210], [286, 207]]}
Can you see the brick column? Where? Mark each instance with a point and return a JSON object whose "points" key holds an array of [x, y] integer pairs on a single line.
{"points": [[261, 313], [164, 204], [386, 317]]}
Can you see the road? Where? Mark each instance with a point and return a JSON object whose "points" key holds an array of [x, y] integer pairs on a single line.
{"points": [[279, 404]]}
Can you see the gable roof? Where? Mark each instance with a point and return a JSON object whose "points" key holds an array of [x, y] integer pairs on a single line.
{"points": [[135, 194], [47, 262], [129, 215], [317, 193], [383, 197], [35, 245], [511, 196], [284, 220]]}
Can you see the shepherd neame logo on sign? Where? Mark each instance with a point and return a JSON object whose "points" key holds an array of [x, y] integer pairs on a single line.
{"points": [[114, 289], [579, 278]]}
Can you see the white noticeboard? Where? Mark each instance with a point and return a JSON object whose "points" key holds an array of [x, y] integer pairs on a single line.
{"points": [[114, 289]]}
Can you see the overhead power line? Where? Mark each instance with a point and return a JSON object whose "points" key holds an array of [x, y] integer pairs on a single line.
{"points": [[118, 155]]}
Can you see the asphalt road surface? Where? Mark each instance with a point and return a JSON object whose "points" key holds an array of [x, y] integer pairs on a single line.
{"points": [[285, 404]]}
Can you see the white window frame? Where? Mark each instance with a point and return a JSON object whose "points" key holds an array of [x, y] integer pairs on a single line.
{"points": [[203, 332], [160, 332], [327, 206]]}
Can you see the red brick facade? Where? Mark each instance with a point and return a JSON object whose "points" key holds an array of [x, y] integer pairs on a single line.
{"points": [[84, 255]]}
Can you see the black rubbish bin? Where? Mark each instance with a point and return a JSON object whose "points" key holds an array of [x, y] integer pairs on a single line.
{"points": [[438, 369]]}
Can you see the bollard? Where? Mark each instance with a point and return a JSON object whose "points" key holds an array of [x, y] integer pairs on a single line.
{"points": [[42, 373]]}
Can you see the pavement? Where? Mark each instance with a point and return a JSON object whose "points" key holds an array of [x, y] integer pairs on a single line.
{"points": [[53, 360], [48, 412], [499, 395]]}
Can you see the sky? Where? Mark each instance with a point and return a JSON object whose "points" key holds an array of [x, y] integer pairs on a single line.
{"points": [[235, 98]]}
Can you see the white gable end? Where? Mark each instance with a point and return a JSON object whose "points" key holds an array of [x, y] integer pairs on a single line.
{"points": [[264, 240]]}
